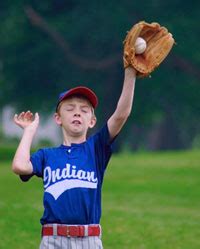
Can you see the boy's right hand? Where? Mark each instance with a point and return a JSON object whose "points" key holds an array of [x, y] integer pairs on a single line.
{"points": [[26, 120]]}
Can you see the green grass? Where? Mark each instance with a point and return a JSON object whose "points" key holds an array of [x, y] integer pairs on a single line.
{"points": [[150, 201]]}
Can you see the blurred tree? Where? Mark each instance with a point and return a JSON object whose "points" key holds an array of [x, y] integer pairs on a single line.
{"points": [[49, 46]]}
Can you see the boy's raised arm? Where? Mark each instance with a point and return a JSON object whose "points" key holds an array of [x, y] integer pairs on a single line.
{"points": [[124, 105], [21, 164]]}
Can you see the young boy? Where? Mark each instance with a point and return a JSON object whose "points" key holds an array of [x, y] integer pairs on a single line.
{"points": [[73, 172]]}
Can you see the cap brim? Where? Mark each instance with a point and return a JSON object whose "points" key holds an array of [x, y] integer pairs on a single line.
{"points": [[88, 93]]}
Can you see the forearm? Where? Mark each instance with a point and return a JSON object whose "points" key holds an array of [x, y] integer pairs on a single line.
{"points": [[124, 105], [125, 102], [21, 162]]}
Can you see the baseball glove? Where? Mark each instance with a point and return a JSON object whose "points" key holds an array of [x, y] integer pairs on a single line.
{"points": [[159, 43]]}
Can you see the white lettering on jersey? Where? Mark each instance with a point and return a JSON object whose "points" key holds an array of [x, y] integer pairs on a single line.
{"points": [[72, 178]]}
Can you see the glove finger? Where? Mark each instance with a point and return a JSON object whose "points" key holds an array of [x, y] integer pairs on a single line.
{"points": [[129, 42], [162, 32], [134, 33], [149, 31], [158, 41], [154, 39], [159, 51], [148, 61]]}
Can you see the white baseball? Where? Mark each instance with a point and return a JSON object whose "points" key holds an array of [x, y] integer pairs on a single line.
{"points": [[140, 45]]}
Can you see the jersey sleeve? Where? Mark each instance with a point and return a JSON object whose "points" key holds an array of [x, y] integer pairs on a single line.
{"points": [[103, 147], [37, 160]]}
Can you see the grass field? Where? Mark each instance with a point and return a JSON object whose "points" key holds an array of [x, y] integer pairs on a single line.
{"points": [[150, 201]]}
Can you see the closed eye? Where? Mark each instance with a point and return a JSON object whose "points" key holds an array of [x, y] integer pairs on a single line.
{"points": [[85, 109], [69, 108]]}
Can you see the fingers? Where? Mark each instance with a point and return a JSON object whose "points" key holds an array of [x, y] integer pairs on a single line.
{"points": [[18, 118], [36, 115], [36, 118], [25, 117], [28, 115]]}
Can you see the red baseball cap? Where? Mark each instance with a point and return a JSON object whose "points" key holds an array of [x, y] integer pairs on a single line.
{"points": [[82, 90]]}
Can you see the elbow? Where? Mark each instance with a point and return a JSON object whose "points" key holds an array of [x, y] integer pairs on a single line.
{"points": [[16, 168]]}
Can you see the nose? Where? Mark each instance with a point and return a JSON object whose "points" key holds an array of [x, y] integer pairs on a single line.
{"points": [[77, 114]]}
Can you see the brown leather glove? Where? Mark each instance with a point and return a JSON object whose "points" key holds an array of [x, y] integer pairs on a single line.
{"points": [[159, 43]]}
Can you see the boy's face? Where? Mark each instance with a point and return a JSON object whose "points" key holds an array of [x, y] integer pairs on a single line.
{"points": [[76, 116]]}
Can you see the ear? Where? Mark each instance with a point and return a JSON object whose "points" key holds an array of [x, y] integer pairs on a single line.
{"points": [[92, 122], [57, 119]]}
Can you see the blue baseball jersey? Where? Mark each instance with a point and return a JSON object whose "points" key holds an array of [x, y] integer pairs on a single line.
{"points": [[72, 178]]}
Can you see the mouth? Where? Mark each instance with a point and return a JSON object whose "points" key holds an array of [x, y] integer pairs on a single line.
{"points": [[76, 122]]}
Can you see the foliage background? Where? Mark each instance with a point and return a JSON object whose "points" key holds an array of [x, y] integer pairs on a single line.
{"points": [[49, 46]]}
